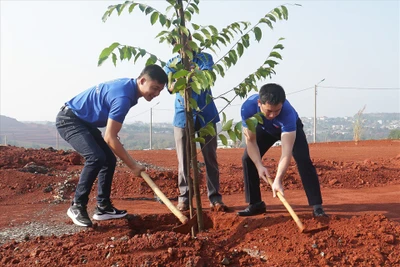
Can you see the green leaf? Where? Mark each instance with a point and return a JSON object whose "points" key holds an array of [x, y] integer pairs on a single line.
{"points": [[220, 69], [238, 130], [206, 33], [278, 46], [223, 117], [114, 59], [188, 16], [189, 54], [257, 33], [162, 19], [240, 49], [193, 104], [120, 8], [106, 53], [227, 62], [233, 56], [251, 124], [238, 126], [227, 125], [173, 63], [103, 56], [148, 10], [151, 60], [226, 37], [132, 6], [195, 26], [267, 21], [199, 139], [180, 84], [180, 74], [105, 16], [232, 135], [278, 12], [224, 98], [169, 8], [271, 17], [222, 40], [136, 57], [142, 7], [154, 17], [210, 128], [142, 52], [275, 54], [271, 63], [259, 118], [245, 40], [196, 87], [285, 12], [201, 117], [190, 9], [184, 30], [193, 45], [195, 7], [198, 37], [223, 139], [176, 48], [169, 79], [209, 99]]}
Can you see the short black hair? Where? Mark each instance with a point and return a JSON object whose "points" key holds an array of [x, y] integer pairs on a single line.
{"points": [[272, 94], [156, 73]]}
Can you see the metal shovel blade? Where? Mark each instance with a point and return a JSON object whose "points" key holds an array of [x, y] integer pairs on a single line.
{"points": [[186, 228]]}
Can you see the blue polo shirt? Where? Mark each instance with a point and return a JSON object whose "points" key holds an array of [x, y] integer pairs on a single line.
{"points": [[111, 99], [208, 112], [286, 121]]}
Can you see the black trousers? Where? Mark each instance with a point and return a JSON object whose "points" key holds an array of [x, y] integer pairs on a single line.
{"points": [[301, 155]]}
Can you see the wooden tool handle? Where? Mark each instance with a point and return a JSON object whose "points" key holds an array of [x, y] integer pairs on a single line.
{"points": [[163, 198], [288, 207]]}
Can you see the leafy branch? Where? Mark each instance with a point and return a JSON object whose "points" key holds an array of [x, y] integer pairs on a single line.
{"points": [[127, 52]]}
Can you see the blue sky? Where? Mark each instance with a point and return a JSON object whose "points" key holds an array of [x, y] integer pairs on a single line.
{"points": [[49, 53]]}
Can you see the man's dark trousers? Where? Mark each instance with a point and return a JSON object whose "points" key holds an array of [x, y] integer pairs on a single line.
{"points": [[301, 155], [99, 159]]}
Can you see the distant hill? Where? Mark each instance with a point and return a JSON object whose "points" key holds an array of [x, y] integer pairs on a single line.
{"points": [[30, 135], [137, 135]]}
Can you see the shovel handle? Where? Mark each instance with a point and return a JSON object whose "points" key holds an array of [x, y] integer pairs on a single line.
{"points": [[164, 199], [288, 207]]}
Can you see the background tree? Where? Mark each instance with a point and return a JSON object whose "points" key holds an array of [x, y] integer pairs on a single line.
{"points": [[394, 134], [358, 125], [236, 37]]}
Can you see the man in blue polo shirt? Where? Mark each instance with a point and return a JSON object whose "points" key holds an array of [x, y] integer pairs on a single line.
{"points": [[103, 105], [208, 113], [280, 122]]}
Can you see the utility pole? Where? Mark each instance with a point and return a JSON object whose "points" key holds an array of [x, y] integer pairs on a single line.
{"points": [[315, 110], [57, 140], [151, 125]]}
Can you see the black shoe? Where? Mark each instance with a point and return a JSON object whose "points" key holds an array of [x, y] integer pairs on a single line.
{"points": [[253, 209], [108, 212], [79, 215], [319, 212]]}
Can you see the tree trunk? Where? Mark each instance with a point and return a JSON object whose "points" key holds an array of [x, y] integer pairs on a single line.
{"points": [[190, 133]]}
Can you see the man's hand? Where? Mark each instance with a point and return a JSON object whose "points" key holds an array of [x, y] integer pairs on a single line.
{"points": [[137, 169], [262, 172], [277, 187]]}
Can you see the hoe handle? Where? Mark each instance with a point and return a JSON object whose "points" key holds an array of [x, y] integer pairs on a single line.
{"points": [[164, 199], [288, 207]]}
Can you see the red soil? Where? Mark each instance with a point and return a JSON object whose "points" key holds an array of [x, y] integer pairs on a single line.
{"points": [[360, 186]]}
